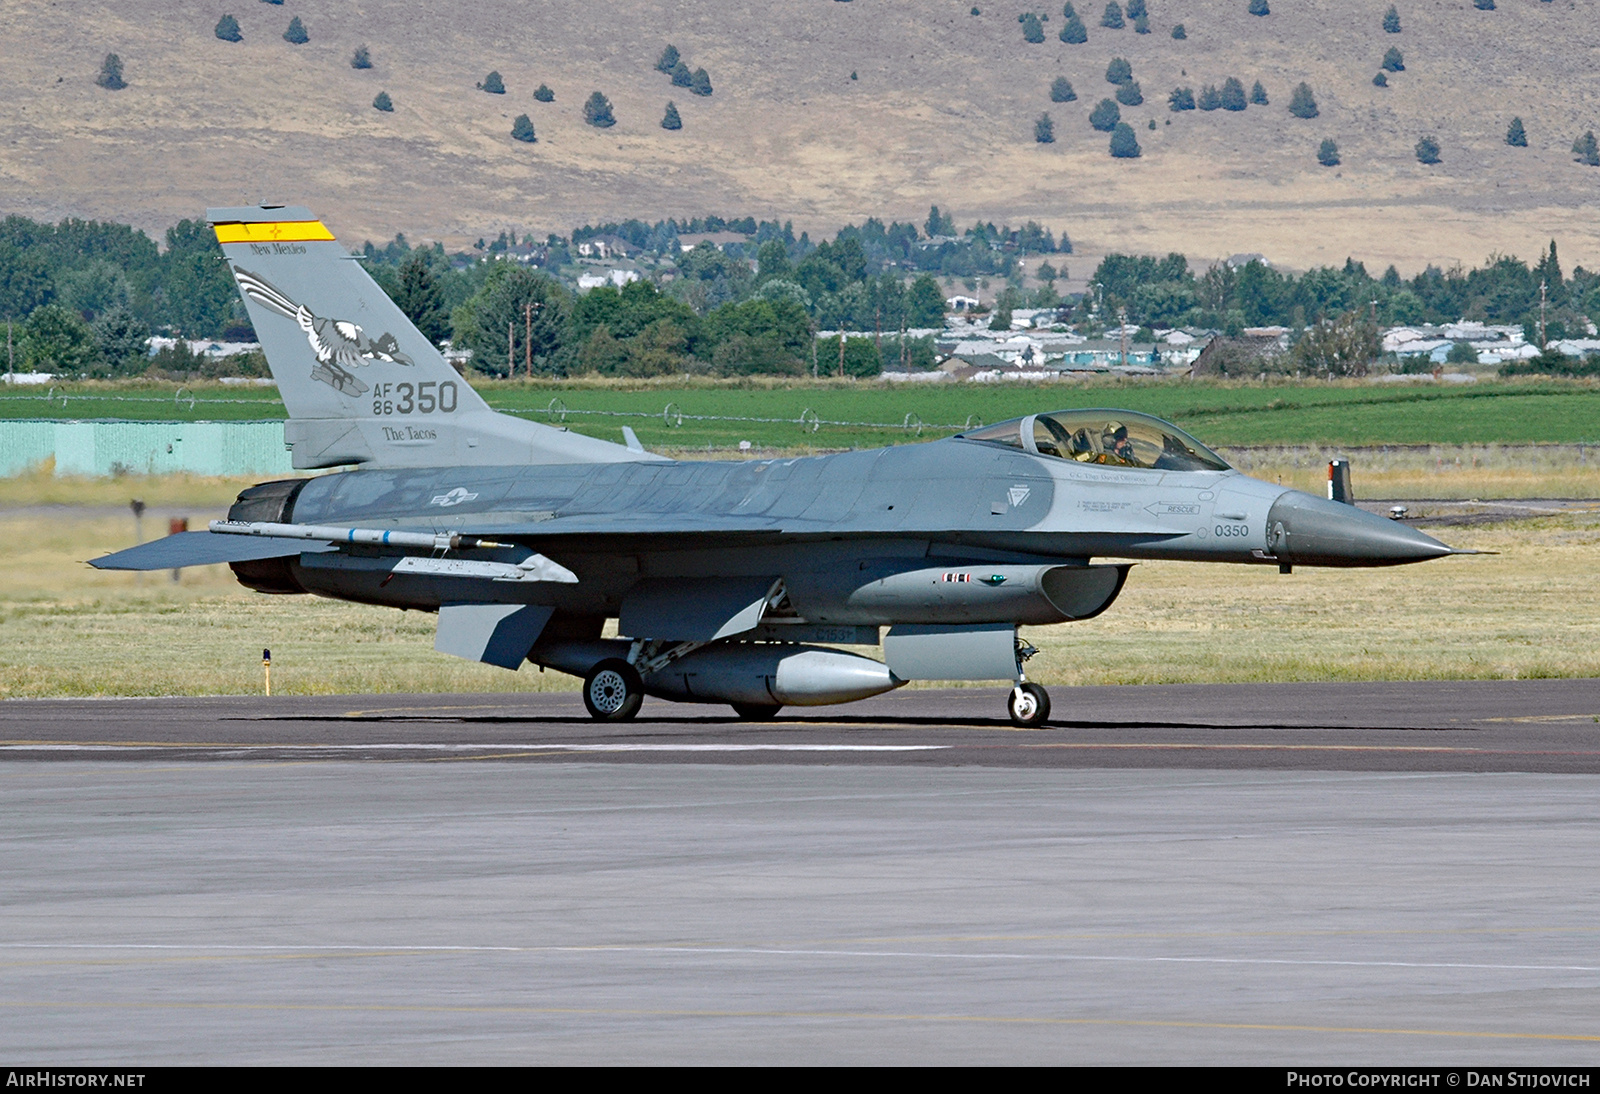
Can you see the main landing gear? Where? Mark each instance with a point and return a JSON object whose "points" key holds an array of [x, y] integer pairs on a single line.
{"points": [[612, 691], [1029, 705]]}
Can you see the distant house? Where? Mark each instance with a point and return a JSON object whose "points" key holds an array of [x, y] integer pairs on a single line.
{"points": [[961, 303], [606, 247], [1239, 260], [618, 278], [690, 240]]}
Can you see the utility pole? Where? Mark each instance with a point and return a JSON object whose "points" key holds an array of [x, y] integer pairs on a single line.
{"points": [[527, 337], [1122, 328], [1542, 286], [11, 361], [841, 350], [511, 348]]}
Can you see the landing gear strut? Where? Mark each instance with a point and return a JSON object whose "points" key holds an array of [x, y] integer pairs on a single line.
{"points": [[1029, 705], [612, 691]]}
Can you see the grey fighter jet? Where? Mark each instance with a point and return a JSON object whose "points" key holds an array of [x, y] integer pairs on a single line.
{"points": [[730, 581]]}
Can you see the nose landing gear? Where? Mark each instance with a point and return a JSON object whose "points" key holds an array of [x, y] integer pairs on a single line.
{"points": [[1029, 705]]}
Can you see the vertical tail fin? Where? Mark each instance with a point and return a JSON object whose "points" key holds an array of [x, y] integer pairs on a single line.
{"points": [[361, 383]]}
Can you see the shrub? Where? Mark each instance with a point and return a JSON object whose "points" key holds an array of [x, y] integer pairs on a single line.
{"points": [[1232, 94], [1259, 7], [522, 130], [1328, 154], [1112, 17], [1391, 21], [1129, 94], [1302, 104], [670, 119], [1585, 149], [228, 29], [1032, 29], [1394, 61], [110, 76], [1210, 98], [493, 84], [1105, 116], [1179, 33], [701, 84], [597, 112], [1044, 130], [1483, 5], [1381, 79], [544, 95], [668, 60], [1061, 91], [1073, 32], [1182, 98], [361, 58], [1124, 145], [296, 34], [1516, 136], [1119, 71], [1427, 150], [383, 103], [1258, 94]]}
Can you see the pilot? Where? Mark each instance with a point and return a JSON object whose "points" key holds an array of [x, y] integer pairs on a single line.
{"points": [[1116, 443]]}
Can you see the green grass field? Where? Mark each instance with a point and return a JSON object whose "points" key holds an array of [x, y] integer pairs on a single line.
{"points": [[684, 415]]}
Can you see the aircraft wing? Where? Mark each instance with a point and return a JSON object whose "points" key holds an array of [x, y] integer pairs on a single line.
{"points": [[202, 549]]}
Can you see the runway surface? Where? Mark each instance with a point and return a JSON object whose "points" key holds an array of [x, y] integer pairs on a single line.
{"points": [[1528, 725], [1286, 874]]}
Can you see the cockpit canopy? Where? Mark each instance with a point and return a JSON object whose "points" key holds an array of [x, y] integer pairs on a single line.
{"points": [[1120, 438]]}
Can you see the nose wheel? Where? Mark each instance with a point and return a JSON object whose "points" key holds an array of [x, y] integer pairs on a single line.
{"points": [[1029, 705], [612, 691]]}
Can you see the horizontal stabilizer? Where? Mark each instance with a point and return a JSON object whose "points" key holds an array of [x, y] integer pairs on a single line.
{"points": [[201, 549]]}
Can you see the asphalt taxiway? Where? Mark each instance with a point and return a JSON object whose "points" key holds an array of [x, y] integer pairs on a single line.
{"points": [[1293, 874]]}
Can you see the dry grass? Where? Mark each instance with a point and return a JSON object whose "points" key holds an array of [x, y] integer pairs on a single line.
{"points": [[66, 629], [942, 112]]}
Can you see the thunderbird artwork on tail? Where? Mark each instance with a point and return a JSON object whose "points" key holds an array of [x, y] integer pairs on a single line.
{"points": [[730, 581]]}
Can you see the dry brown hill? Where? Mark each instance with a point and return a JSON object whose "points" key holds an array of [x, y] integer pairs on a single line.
{"points": [[942, 111]]}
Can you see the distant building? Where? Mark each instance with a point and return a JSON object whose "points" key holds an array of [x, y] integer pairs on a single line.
{"points": [[688, 241], [606, 247]]}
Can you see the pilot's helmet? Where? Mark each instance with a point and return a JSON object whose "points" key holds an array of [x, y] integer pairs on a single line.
{"points": [[1116, 431]]}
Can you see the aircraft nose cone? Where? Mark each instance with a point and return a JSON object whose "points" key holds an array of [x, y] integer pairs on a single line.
{"points": [[1313, 531]]}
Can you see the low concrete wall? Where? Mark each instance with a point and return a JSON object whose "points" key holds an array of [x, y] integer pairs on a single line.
{"points": [[100, 448]]}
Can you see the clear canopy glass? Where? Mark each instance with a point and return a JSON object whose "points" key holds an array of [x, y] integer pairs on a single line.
{"points": [[1120, 438]]}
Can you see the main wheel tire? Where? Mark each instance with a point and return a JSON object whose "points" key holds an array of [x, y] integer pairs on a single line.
{"points": [[612, 691], [755, 712], [1029, 705]]}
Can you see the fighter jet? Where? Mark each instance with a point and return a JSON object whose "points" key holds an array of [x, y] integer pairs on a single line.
{"points": [[730, 582]]}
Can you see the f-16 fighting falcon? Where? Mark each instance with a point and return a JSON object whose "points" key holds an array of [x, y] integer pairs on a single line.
{"points": [[731, 581]]}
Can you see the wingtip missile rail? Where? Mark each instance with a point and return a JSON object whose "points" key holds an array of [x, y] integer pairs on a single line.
{"points": [[373, 537]]}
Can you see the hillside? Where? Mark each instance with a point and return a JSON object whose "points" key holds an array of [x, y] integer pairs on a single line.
{"points": [[942, 112]]}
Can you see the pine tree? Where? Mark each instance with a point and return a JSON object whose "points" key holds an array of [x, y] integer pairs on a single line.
{"points": [[681, 76], [1105, 116], [1179, 33], [1044, 130], [1259, 7], [544, 95], [597, 112], [1182, 98], [1328, 154], [493, 84], [1119, 71], [361, 58], [1391, 21], [1032, 29], [1074, 32], [1427, 151], [1112, 17], [1061, 91], [1258, 95], [701, 83], [1381, 79], [522, 130], [670, 119], [668, 60], [1516, 136], [1141, 25], [110, 76], [1303, 104], [1129, 94], [296, 34], [1124, 145], [1136, 9], [383, 103], [1210, 98], [421, 297], [228, 29], [1232, 94], [1394, 61], [1586, 150]]}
